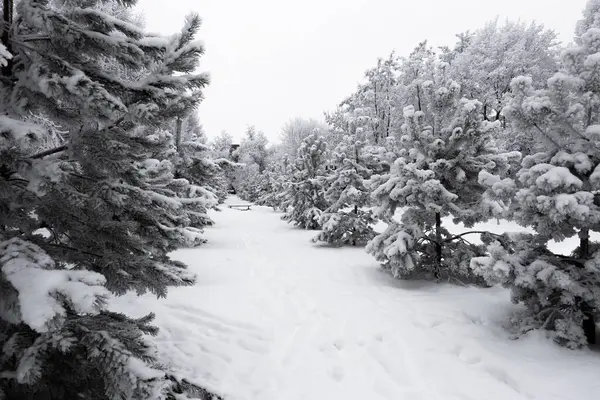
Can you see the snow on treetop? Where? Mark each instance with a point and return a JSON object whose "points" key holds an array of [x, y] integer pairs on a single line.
{"points": [[520, 82], [470, 105], [549, 177], [580, 161], [561, 81]]}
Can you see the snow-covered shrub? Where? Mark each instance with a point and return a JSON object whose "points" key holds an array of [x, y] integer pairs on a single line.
{"points": [[275, 184], [271, 189], [345, 222], [193, 161], [305, 193], [249, 180]]}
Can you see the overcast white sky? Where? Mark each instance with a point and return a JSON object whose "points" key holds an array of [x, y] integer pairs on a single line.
{"points": [[271, 60]]}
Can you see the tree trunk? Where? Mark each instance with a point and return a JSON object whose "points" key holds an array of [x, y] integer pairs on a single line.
{"points": [[178, 127], [589, 323], [584, 243], [389, 122], [438, 244], [376, 127], [353, 228], [389, 111], [589, 327], [485, 117], [7, 19], [419, 97]]}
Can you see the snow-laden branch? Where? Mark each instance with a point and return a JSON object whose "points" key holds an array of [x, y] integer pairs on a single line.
{"points": [[470, 233]]}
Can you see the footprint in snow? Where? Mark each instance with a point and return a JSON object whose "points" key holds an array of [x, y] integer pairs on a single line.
{"points": [[467, 356], [216, 324]]}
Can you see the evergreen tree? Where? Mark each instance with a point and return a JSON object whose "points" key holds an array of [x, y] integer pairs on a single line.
{"points": [[271, 190], [98, 214], [221, 148], [344, 221], [443, 149], [295, 131], [254, 149], [192, 161], [254, 157], [221, 145], [487, 60], [274, 188], [370, 113], [415, 72], [555, 193], [304, 194], [193, 130], [248, 182], [378, 159]]}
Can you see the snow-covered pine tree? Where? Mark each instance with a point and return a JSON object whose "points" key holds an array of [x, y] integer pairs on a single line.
{"points": [[274, 188], [485, 62], [248, 182], [221, 145], [345, 222], [305, 192], [254, 155], [192, 129], [193, 161], [370, 112], [555, 193], [444, 147], [271, 190], [221, 152], [294, 132], [415, 71], [379, 158], [98, 213]]}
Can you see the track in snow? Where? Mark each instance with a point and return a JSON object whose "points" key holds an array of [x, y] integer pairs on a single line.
{"points": [[274, 317]]}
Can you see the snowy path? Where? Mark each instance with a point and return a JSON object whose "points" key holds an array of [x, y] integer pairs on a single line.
{"points": [[274, 317]]}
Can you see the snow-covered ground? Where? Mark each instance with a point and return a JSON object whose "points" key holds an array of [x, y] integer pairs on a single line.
{"points": [[274, 317]]}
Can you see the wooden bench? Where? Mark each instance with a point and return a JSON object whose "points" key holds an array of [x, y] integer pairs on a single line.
{"points": [[241, 207]]}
